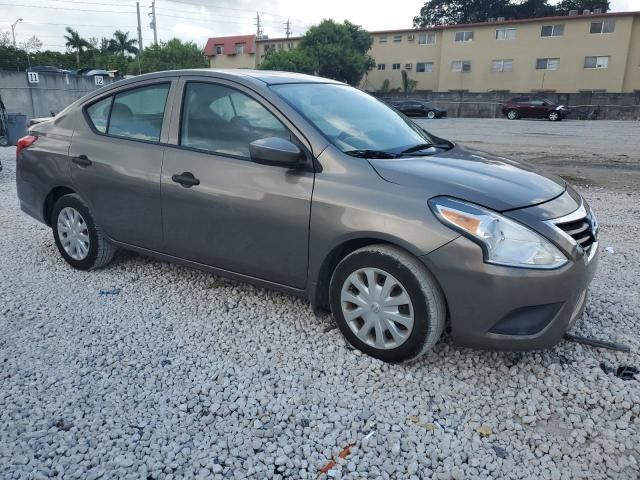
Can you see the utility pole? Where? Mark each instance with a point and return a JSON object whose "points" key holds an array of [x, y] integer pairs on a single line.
{"points": [[258, 27], [139, 27], [288, 24], [153, 25]]}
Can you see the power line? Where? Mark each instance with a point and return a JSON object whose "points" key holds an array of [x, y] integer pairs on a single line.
{"points": [[72, 9]]}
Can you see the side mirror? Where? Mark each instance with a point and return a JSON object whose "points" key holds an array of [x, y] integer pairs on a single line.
{"points": [[275, 151]]}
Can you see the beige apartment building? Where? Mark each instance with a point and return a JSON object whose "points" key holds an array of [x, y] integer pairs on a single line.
{"points": [[568, 54]]}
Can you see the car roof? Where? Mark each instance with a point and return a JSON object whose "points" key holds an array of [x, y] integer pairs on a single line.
{"points": [[268, 77]]}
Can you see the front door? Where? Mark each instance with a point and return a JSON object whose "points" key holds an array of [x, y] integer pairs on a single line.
{"points": [[235, 214], [117, 161]]}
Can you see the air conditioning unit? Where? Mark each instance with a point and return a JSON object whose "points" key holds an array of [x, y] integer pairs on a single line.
{"points": [[597, 11], [411, 37], [408, 66], [501, 19], [573, 12], [586, 12]]}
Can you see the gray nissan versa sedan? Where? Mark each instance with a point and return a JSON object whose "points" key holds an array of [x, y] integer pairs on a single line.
{"points": [[315, 188]]}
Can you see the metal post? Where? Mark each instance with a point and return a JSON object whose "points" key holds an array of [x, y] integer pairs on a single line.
{"points": [[139, 27], [155, 24]]}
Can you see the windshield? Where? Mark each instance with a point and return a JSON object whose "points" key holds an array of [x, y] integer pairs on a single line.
{"points": [[353, 120]]}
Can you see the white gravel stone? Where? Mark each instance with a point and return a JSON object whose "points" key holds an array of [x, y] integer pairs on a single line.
{"points": [[181, 374]]}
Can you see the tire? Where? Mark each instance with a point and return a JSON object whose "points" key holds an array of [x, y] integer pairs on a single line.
{"points": [[554, 116], [427, 304], [99, 252], [431, 114], [513, 115]]}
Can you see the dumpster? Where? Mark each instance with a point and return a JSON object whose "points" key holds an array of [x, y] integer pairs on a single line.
{"points": [[16, 127]]}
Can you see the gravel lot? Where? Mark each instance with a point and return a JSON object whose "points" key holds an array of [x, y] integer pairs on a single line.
{"points": [[148, 370]]}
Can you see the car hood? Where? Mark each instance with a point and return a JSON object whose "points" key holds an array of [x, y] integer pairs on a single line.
{"points": [[483, 178]]}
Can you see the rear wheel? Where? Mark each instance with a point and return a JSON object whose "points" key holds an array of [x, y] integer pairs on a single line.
{"points": [[513, 115], [431, 114], [79, 240], [387, 304], [553, 116]]}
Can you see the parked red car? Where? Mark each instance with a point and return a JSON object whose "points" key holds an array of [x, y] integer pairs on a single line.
{"points": [[533, 107]]}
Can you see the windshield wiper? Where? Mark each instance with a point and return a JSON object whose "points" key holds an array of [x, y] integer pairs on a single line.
{"points": [[417, 148], [370, 154]]}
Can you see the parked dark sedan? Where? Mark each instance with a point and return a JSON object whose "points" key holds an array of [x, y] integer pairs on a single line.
{"points": [[533, 107], [315, 188], [414, 108]]}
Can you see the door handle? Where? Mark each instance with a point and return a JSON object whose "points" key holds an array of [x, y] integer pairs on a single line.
{"points": [[186, 179], [82, 161]]}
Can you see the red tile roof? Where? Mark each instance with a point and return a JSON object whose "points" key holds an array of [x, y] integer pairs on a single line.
{"points": [[229, 44]]}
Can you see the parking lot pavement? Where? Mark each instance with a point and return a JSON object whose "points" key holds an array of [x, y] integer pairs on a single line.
{"points": [[603, 152], [149, 370]]}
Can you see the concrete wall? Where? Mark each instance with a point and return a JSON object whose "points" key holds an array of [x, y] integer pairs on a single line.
{"points": [[52, 94], [612, 106]]}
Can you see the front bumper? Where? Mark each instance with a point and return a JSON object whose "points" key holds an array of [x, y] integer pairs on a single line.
{"points": [[506, 308]]}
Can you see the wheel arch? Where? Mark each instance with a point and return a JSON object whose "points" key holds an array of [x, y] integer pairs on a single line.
{"points": [[319, 294], [51, 199]]}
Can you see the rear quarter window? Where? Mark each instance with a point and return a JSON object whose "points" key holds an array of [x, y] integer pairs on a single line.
{"points": [[99, 114]]}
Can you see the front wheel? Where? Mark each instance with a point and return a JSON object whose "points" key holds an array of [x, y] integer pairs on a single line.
{"points": [[79, 240], [387, 304], [554, 116], [431, 114]]}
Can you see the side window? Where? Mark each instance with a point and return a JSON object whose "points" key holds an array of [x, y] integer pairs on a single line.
{"points": [[222, 120], [138, 113], [99, 114]]}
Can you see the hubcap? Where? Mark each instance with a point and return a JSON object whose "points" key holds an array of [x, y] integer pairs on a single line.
{"points": [[512, 115], [73, 233], [431, 115], [377, 308], [554, 116]]}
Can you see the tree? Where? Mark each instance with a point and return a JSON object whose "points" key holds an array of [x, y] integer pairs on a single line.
{"points": [[172, 55], [122, 44], [441, 12], [33, 43], [294, 60], [76, 42], [339, 50], [567, 5], [444, 12]]}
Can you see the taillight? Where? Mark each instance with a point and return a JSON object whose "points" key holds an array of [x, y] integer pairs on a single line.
{"points": [[25, 142]]}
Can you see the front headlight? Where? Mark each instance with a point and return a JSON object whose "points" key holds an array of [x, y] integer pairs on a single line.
{"points": [[504, 241]]}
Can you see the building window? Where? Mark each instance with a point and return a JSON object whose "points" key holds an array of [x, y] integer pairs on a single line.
{"points": [[501, 65], [397, 38], [464, 36], [596, 62], [547, 64], [239, 48], [424, 67], [219, 49], [381, 66], [461, 66], [383, 39], [608, 26], [505, 34], [396, 66], [427, 39], [552, 30]]}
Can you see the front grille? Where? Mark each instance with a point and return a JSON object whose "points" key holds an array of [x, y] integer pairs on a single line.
{"points": [[581, 230]]}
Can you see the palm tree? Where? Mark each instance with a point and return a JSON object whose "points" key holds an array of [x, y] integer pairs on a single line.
{"points": [[122, 44], [76, 42]]}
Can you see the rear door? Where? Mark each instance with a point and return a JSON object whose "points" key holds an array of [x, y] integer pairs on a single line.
{"points": [[117, 157], [241, 216]]}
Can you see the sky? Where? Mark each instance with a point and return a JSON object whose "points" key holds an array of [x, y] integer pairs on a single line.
{"points": [[197, 20]]}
